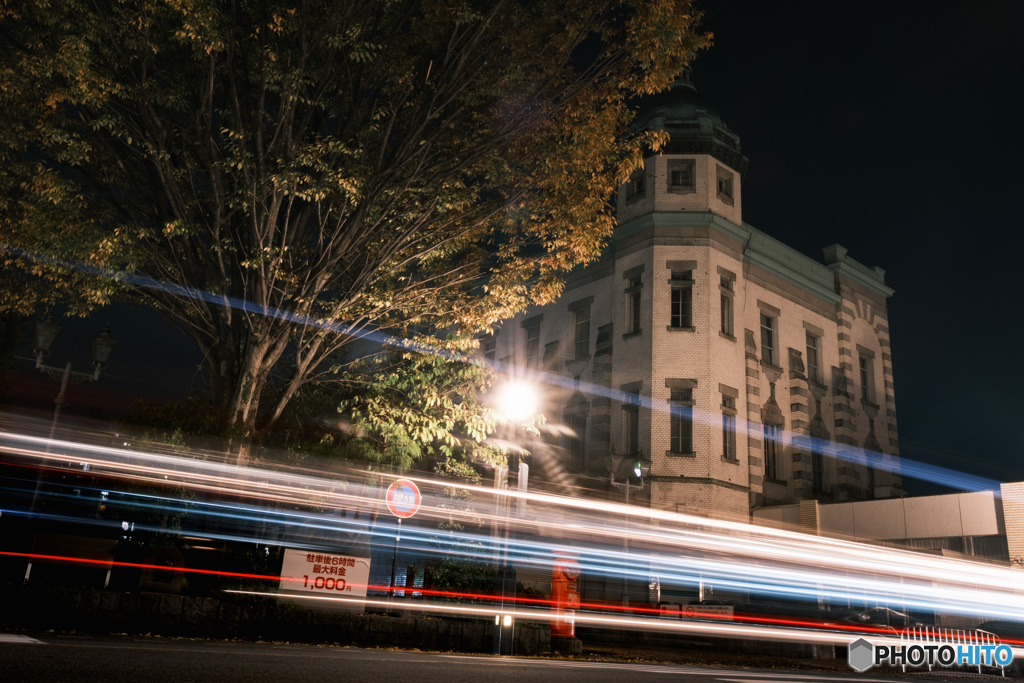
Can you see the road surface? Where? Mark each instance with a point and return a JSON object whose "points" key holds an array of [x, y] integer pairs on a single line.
{"points": [[125, 659]]}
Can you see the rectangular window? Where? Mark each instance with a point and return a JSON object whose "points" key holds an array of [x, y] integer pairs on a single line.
{"points": [[866, 377], [817, 470], [682, 299], [488, 345], [636, 188], [727, 314], [581, 333], [631, 429], [682, 307], [577, 441], [813, 363], [768, 354], [728, 436], [682, 429], [681, 419], [533, 347], [724, 179], [681, 176], [633, 290], [771, 452]]}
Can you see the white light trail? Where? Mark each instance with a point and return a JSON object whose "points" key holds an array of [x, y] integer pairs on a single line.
{"points": [[739, 557]]}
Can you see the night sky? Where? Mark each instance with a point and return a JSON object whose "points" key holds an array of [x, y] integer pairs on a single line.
{"points": [[893, 130]]}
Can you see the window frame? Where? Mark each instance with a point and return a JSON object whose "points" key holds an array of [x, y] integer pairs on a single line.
{"points": [[489, 347], [729, 437], [726, 313], [631, 429], [867, 377], [817, 470], [771, 452], [577, 442], [532, 343], [813, 366], [681, 299], [678, 166], [769, 332], [681, 403], [581, 332], [725, 184], [633, 293], [636, 186], [633, 322]]}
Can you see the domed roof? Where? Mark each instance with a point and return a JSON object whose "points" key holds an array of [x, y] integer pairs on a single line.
{"points": [[694, 127]]}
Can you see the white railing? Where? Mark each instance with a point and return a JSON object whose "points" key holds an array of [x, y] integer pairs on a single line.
{"points": [[924, 635]]}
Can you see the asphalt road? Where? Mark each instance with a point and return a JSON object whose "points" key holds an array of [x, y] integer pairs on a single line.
{"points": [[87, 658]]}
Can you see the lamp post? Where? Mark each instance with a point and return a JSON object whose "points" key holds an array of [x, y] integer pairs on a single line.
{"points": [[636, 469], [516, 403], [102, 346]]}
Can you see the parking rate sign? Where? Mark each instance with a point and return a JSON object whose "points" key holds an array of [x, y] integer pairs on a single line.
{"points": [[403, 498], [318, 572]]}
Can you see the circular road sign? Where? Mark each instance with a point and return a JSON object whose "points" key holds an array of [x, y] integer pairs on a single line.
{"points": [[403, 498]]}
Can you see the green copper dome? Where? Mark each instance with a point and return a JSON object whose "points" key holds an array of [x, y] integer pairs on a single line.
{"points": [[693, 126]]}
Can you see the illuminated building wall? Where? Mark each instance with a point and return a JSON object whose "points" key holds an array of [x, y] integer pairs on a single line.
{"points": [[712, 349]]}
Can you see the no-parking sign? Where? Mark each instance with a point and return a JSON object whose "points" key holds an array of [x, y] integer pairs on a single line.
{"points": [[403, 498]]}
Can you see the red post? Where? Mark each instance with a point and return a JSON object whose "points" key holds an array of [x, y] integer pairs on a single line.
{"points": [[565, 594]]}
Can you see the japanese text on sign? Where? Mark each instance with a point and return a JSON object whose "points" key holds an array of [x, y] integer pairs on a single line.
{"points": [[324, 573]]}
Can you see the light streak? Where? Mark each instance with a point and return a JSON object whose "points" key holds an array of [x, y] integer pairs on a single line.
{"points": [[680, 549]]}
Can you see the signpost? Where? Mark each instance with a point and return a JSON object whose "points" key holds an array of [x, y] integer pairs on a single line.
{"points": [[403, 499]]}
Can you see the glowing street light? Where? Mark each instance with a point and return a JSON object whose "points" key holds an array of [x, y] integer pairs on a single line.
{"points": [[516, 401]]}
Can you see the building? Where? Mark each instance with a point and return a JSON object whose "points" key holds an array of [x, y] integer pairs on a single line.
{"points": [[744, 373]]}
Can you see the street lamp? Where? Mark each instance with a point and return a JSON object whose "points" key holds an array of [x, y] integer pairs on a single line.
{"points": [[632, 472], [515, 403], [102, 346]]}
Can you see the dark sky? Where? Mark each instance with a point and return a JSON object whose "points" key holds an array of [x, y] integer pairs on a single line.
{"points": [[892, 129], [895, 129]]}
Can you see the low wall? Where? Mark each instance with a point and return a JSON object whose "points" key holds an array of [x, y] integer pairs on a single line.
{"points": [[94, 611], [41, 607]]}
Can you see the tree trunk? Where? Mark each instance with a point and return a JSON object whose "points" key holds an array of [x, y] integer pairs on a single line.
{"points": [[261, 355], [243, 409]]}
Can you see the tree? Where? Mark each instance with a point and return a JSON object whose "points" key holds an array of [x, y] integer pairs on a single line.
{"points": [[279, 178], [400, 400]]}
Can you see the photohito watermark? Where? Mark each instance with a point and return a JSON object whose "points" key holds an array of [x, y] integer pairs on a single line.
{"points": [[864, 654]]}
